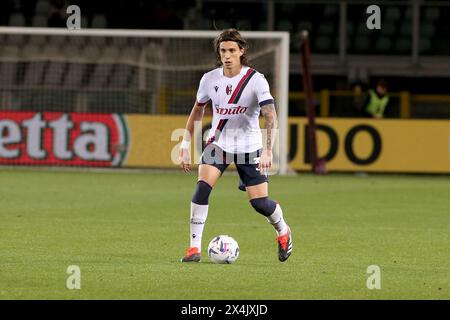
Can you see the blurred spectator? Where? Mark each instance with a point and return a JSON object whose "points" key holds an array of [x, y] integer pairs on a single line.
{"points": [[359, 97], [376, 101]]}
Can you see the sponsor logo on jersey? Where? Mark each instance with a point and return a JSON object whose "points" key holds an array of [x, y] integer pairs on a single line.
{"points": [[227, 111]]}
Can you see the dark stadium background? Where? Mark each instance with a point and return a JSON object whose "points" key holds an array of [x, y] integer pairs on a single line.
{"points": [[410, 52]]}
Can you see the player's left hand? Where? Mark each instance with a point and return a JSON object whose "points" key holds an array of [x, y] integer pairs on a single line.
{"points": [[265, 161], [185, 159]]}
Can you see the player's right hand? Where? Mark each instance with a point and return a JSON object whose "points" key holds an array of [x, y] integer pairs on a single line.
{"points": [[185, 159]]}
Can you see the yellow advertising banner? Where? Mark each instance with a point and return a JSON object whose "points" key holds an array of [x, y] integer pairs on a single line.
{"points": [[373, 145], [368, 145], [150, 142]]}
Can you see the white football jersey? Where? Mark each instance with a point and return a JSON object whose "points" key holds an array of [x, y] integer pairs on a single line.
{"points": [[236, 104]]}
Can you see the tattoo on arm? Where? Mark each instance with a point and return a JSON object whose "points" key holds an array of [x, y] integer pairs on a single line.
{"points": [[270, 117]]}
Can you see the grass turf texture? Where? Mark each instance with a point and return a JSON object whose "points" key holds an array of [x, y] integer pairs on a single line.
{"points": [[127, 232]]}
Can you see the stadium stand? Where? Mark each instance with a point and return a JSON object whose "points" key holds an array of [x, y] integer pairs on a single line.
{"points": [[321, 19], [397, 21]]}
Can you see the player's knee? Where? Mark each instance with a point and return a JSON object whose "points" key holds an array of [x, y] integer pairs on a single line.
{"points": [[202, 192], [264, 205]]}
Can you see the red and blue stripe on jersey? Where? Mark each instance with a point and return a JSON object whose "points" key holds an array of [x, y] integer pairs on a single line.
{"points": [[217, 132], [241, 86]]}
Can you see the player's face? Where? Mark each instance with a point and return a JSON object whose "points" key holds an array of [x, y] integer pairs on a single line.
{"points": [[230, 54]]}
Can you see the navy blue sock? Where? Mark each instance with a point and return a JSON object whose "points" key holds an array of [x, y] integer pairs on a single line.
{"points": [[264, 205], [202, 192]]}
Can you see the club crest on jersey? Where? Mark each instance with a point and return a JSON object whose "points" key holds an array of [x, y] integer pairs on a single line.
{"points": [[228, 89]]}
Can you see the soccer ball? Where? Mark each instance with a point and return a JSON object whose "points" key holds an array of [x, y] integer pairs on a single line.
{"points": [[223, 249]]}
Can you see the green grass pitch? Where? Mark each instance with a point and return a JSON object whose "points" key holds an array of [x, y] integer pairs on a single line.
{"points": [[127, 232]]}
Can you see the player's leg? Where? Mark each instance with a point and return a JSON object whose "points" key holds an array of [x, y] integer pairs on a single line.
{"points": [[209, 173], [258, 194], [260, 201], [207, 178]]}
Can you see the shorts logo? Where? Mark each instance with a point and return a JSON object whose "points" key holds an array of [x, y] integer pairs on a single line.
{"points": [[228, 89], [256, 161]]}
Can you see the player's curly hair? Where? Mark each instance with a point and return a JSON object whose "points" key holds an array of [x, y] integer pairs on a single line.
{"points": [[231, 35]]}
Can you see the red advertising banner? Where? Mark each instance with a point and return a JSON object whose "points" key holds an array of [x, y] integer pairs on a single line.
{"points": [[67, 139]]}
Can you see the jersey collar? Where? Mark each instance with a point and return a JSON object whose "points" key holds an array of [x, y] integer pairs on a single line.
{"points": [[242, 72]]}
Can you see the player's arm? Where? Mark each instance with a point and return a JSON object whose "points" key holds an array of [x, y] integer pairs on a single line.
{"points": [[271, 122], [197, 113]]}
